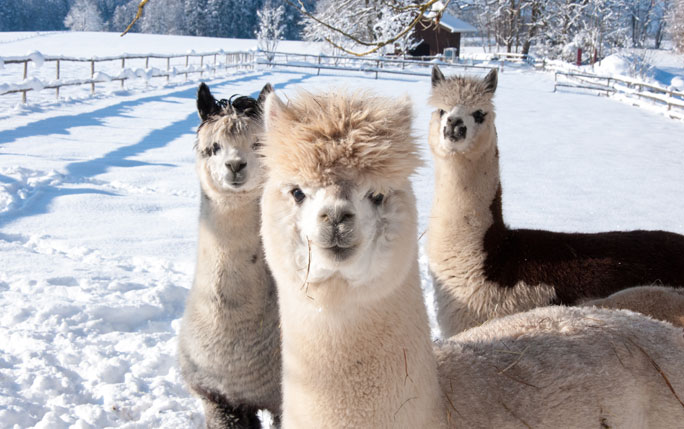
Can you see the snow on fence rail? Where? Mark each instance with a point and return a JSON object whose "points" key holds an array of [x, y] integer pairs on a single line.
{"points": [[237, 59], [629, 88], [367, 62], [357, 64], [230, 60]]}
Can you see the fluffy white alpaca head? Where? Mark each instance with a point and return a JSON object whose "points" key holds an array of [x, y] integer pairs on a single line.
{"points": [[465, 113], [227, 140], [339, 218]]}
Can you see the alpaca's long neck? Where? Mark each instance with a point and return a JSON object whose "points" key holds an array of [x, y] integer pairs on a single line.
{"points": [[371, 367], [229, 246], [467, 203]]}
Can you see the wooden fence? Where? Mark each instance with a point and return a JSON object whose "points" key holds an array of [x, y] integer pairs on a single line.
{"points": [[673, 100], [374, 65], [231, 60]]}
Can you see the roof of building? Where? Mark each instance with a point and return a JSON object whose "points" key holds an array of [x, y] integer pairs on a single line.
{"points": [[448, 21]]}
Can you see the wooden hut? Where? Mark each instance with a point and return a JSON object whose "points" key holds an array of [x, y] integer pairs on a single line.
{"points": [[436, 37]]}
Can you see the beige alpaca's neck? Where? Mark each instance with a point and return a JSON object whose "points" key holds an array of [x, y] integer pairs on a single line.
{"points": [[370, 367], [464, 204], [466, 210]]}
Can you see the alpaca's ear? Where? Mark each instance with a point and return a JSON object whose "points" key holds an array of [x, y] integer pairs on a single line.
{"points": [[206, 103], [437, 75], [267, 89], [273, 108], [490, 81]]}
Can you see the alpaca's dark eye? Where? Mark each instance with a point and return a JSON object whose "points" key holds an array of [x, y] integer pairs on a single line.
{"points": [[215, 148], [479, 116], [441, 113], [376, 199], [256, 145], [298, 195]]}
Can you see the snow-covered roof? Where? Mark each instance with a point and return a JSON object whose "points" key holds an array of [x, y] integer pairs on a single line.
{"points": [[449, 21], [455, 25]]}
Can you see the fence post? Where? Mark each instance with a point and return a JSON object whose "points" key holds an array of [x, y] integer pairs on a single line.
{"points": [[26, 69], [187, 58], [57, 75], [92, 76], [502, 66], [123, 66], [147, 63], [214, 64], [23, 96]]}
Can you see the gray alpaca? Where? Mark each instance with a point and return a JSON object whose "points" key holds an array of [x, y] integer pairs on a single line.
{"points": [[229, 344]]}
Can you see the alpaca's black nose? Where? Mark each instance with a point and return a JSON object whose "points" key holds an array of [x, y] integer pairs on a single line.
{"points": [[455, 129], [236, 166]]}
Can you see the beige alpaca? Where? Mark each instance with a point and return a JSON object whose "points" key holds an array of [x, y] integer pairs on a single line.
{"points": [[481, 268], [339, 231], [659, 302], [229, 344]]}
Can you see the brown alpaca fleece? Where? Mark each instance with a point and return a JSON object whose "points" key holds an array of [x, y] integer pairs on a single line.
{"points": [[483, 269]]}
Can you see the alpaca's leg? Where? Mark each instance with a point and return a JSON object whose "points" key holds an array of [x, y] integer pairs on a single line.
{"points": [[225, 416]]}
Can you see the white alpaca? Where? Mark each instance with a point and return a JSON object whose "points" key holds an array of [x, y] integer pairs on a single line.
{"points": [[339, 231], [229, 344], [481, 268]]}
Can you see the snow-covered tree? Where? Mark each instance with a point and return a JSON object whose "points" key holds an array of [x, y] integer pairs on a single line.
{"points": [[675, 22], [366, 26], [84, 16], [164, 18], [271, 28]]}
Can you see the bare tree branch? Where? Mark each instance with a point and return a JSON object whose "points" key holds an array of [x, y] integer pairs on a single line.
{"points": [[141, 6], [418, 8]]}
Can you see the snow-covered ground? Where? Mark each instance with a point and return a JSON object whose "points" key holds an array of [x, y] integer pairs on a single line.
{"points": [[98, 216]]}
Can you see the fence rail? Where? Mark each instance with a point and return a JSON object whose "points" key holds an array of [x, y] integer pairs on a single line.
{"points": [[235, 59], [673, 100], [209, 62]]}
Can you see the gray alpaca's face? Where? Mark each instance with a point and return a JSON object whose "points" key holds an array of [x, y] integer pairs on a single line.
{"points": [[229, 160]]}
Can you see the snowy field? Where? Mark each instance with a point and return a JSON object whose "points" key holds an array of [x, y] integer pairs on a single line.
{"points": [[99, 205]]}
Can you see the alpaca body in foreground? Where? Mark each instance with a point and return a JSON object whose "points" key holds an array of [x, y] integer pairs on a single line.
{"points": [[481, 268], [229, 345], [569, 367], [339, 226], [659, 302], [339, 230]]}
